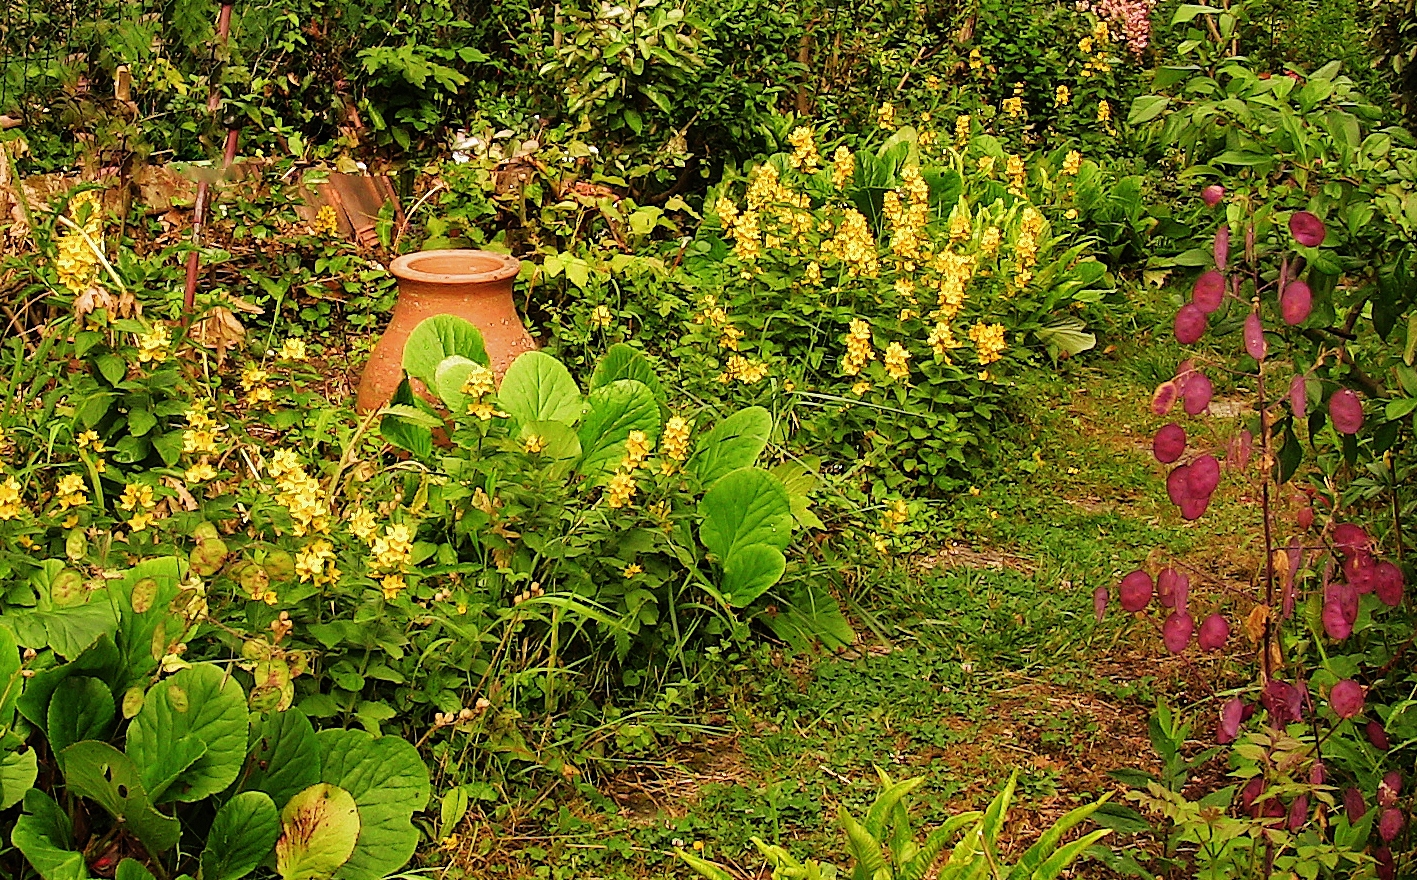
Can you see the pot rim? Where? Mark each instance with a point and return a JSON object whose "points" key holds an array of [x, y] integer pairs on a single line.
{"points": [[508, 267]]}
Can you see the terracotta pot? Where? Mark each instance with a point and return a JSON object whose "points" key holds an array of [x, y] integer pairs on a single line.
{"points": [[474, 285]]}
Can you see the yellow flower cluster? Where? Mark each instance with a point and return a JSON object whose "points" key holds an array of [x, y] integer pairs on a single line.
{"points": [[743, 370], [1094, 47], [962, 129], [896, 361], [11, 502], [600, 317], [622, 487], [1017, 174], [155, 345], [955, 272], [199, 438], [989, 240], [727, 212], [1072, 162], [854, 245], [712, 314], [392, 550], [1104, 113], [942, 340], [896, 515], [254, 381], [885, 115], [480, 385], [299, 494], [858, 348], [70, 492], [1062, 96], [314, 563], [138, 500], [843, 167], [804, 150], [293, 349], [200, 472], [621, 490], [961, 222], [534, 444], [907, 211], [76, 263], [326, 221], [1026, 245], [1013, 107], [813, 273], [988, 341], [674, 443], [986, 166]]}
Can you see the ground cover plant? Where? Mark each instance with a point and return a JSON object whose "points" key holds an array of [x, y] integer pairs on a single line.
{"points": [[885, 353]]}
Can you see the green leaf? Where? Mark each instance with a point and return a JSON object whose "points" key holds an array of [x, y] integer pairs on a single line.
{"points": [[12, 683], [101, 660], [46, 839], [18, 771], [616, 409], [1064, 857], [98, 771], [242, 835], [284, 755], [736, 442], [747, 523], [111, 367], [81, 708], [389, 782], [202, 702], [65, 620], [626, 362], [439, 337], [1065, 335], [1146, 108], [448, 381], [132, 869], [537, 387], [865, 848], [704, 868], [141, 421], [319, 827]]}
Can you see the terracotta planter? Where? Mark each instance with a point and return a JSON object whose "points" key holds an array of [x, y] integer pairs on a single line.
{"points": [[474, 285]]}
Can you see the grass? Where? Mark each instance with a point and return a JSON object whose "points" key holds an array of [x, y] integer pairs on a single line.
{"points": [[981, 656]]}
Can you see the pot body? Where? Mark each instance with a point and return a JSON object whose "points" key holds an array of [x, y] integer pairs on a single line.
{"points": [[473, 285]]}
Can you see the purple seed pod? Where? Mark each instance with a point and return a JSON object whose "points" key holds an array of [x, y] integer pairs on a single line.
{"points": [[1099, 602], [1222, 246], [1389, 788], [1208, 291], [1299, 812], [1194, 507], [1214, 633], [1307, 229], [1190, 324], [1390, 824], [1296, 303], [1176, 631], [1255, 345], [1337, 620], [1360, 570], [1283, 701], [1377, 735], [1346, 698], [1178, 484], [1346, 411], [1204, 475], [1317, 773], [1387, 865], [1231, 714], [1388, 584], [1173, 588], [1212, 195], [1169, 443], [1238, 449], [1250, 794], [1135, 591], [1299, 396], [1164, 397], [1354, 805], [1295, 554], [1196, 393], [1350, 539], [1347, 597]]}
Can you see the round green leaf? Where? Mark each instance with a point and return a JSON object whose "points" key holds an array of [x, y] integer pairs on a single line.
{"points": [[205, 704], [242, 835], [537, 387], [319, 827], [439, 337]]}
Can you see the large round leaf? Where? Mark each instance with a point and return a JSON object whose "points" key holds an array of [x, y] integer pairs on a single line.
{"points": [[284, 755], [319, 827], [201, 704], [616, 409], [389, 783], [449, 378], [45, 836], [98, 771], [747, 523], [537, 387], [736, 442], [81, 708], [243, 833], [626, 362], [439, 337]]}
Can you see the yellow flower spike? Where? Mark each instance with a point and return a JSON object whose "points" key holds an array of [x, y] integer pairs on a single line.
{"points": [[601, 318], [293, 349], [621, 490]]}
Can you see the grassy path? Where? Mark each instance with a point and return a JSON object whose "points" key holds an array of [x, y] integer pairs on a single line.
{"points": [[991, 661]]}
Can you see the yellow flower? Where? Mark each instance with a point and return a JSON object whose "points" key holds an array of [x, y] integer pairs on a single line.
{"points": [[154, 345], [621, 490], [727, 213], [362, 525], [632, 569], [896, 515], [1072, 162], [252, 375], [600, 317], [89, 440], [1062, 96], [480, 382], [326, 221], [1070, 214], [896, 361], [804, 150], [485, 411], [988, 341], [533, 444], [293, 349], [881, 546], [962, 129], [986, 166], [76, 263], [813, 273], [200, 472], [71, 492], [140, 521], [392, 585], [961, 222], [989, 241], [858, 347], [136, 496], [393, 549], [312, 563], [976, 62], [11, 505], [861, 388], [1085, 44], [1013, 107], [855, 245], [942, 339], [1017, 173], [885, 115], [1104, 111], [843, 167], [674, 442], [637, 448]]}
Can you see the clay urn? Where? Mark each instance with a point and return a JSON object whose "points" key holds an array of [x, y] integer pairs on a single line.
{"points": [[474, 285]]}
